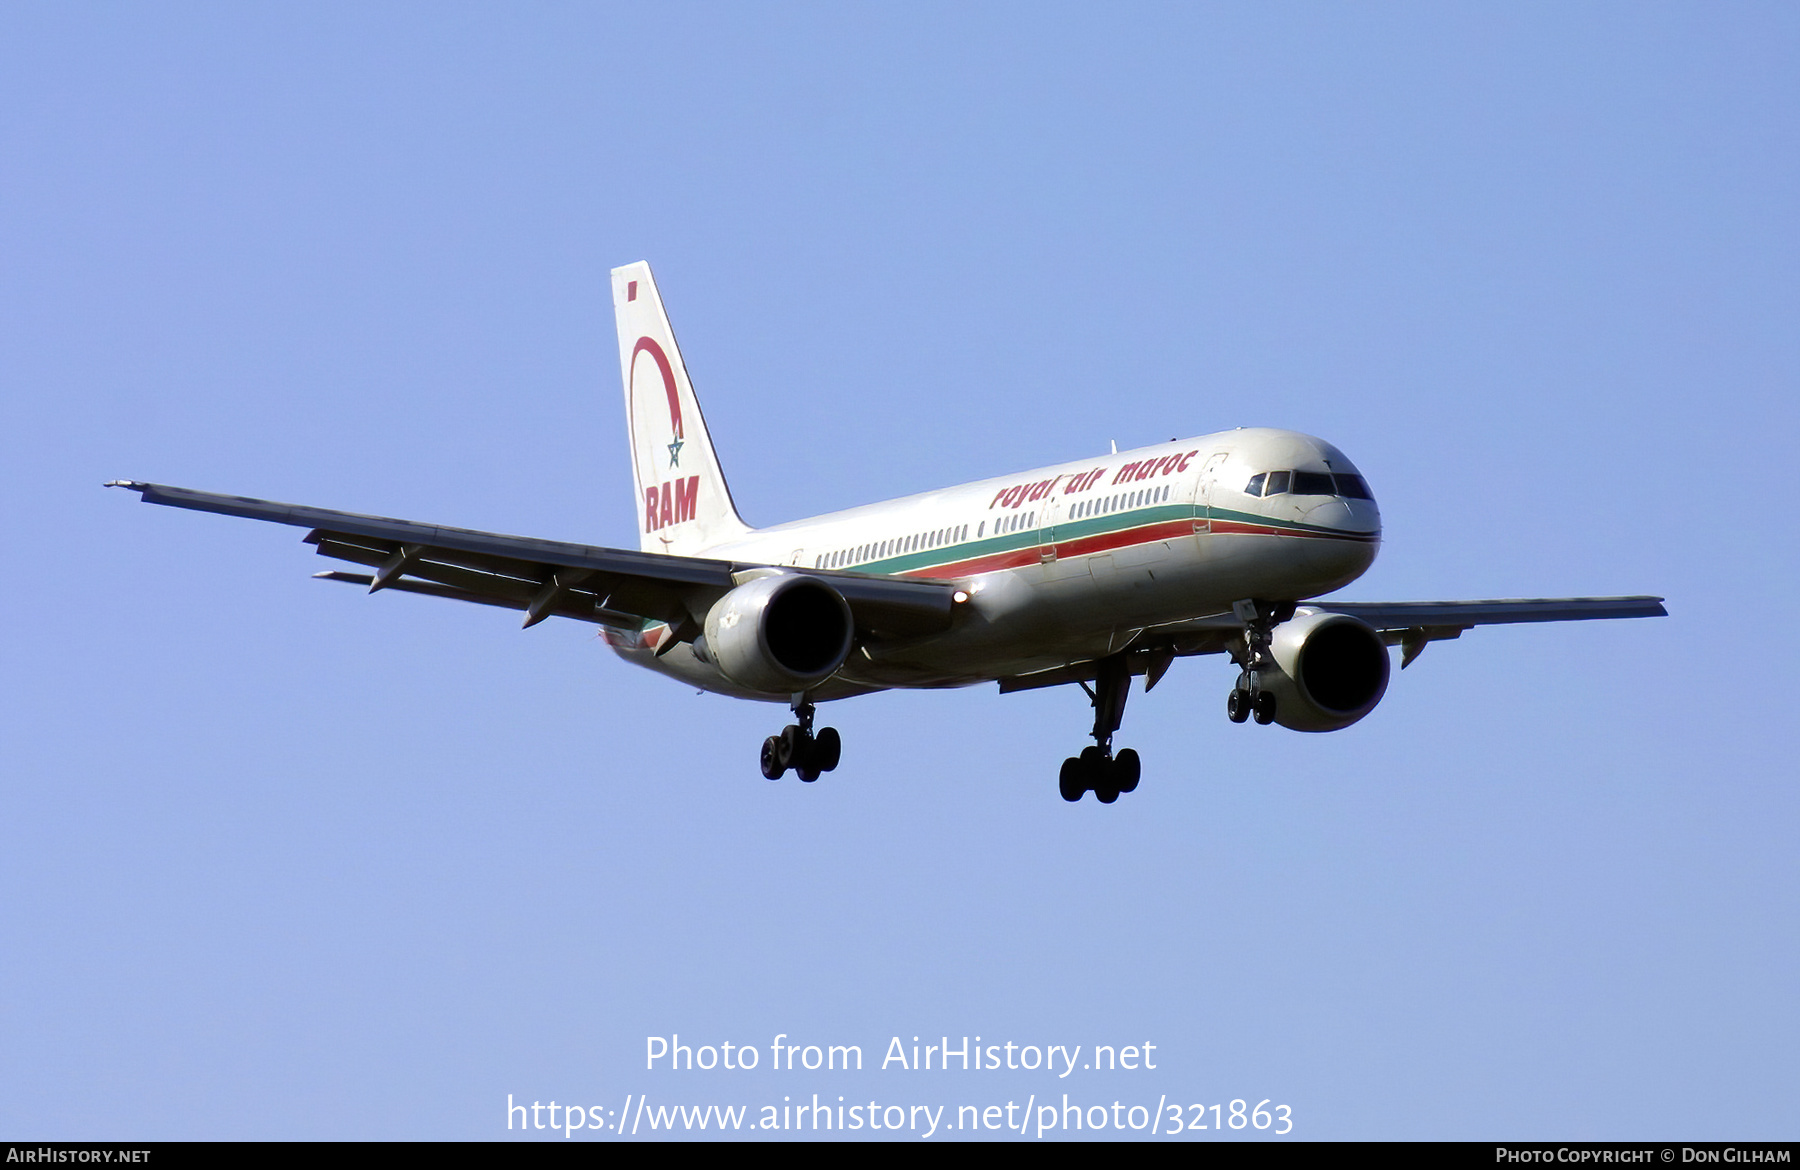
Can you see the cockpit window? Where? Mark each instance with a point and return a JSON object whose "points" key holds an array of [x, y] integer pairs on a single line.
{"points": [[1278, 482], [1352, 487], [1255, 486], [1313, 483]]}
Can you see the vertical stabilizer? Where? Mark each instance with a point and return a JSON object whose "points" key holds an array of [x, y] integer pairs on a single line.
{"points": [[683, 505]]}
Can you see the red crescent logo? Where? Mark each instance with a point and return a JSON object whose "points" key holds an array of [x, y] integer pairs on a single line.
{"points": [[648, 345]]}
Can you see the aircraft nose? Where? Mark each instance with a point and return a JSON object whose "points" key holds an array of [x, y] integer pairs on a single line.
{"points": [[1330, 514], [1358, 516]]}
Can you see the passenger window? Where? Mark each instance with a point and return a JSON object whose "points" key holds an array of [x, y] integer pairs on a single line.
{"points": [[1278, 483], [1255, 486]]}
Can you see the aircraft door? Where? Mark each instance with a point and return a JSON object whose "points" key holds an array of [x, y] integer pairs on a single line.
{"points": [[1209, 478], [1050, 514]]}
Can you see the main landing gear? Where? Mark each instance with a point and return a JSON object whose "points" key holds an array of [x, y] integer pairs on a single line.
{"points": [[1247, 698], [798, 748], [1096, 769]]}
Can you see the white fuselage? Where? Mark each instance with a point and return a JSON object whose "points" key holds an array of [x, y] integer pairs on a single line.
{"points": [[1070, 562]]}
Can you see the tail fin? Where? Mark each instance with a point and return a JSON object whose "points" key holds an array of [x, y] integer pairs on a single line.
{"points": [[683, 505]]}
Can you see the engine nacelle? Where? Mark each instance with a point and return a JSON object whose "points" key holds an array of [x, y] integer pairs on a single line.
{"points": [[778, 634], [1333, 670]]}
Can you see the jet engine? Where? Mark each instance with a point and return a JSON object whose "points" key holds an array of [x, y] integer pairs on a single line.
{"points": [[1333, 669], [778, 634]]}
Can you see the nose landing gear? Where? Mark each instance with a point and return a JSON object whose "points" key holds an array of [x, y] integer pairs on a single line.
{"points": [[1243, 702], [1097, 769], [1247, 698], [798, 748]]}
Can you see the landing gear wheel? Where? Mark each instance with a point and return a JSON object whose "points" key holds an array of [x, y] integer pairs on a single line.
{"points": [[1125, 770], [827, 747], [772, 767], [793, 746], [1100, 774], [1264, 707], [1072, 783], [1237, 706], [795, 751]]}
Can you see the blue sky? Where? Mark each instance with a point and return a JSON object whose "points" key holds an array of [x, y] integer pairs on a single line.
{"points": [[287, 861]]}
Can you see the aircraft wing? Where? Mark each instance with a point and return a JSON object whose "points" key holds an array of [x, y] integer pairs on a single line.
{"points": [[544, 578], [1412, 625]]}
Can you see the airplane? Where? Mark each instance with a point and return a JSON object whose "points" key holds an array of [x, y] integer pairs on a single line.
{"points": [[1088, 573]]}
